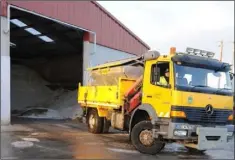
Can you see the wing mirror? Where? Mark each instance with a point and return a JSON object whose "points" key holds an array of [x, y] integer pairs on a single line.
{"points": [[231, 75]]}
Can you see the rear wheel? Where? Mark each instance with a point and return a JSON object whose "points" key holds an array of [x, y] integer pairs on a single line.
{"points": [[142, 139], [106, 125], [94, 122]]}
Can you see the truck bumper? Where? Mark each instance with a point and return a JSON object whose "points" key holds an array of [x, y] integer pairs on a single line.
{"points": [[196, 136], [210, 138]]}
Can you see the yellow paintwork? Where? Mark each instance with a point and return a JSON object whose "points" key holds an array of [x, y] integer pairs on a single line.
{"points": [[102, 112], [156, 96], [202, 99], [105, 97], [162, 98], [111, 97]]}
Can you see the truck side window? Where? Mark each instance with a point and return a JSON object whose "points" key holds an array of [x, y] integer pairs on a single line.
{"points": [[154, 74], [160, 74]]}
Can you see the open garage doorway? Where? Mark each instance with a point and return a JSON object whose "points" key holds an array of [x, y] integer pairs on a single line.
{"points": [[46, 67]]}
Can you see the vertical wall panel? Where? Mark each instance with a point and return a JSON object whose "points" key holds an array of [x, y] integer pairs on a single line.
{"points": [[89, 15], [103, 55], [5, 73]]}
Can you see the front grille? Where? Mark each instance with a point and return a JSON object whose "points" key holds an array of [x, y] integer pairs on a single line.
{"points": [[212, 138], [196, 115]]}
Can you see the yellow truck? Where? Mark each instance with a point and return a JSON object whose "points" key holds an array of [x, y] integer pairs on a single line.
{"points": [[178, 97]]}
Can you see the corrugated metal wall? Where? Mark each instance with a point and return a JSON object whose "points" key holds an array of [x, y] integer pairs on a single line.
{"points": [[91, 16], [102, 55], [3, 8]]}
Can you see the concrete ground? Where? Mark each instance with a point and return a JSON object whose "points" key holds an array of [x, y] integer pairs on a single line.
{"points": [[70, 140]]}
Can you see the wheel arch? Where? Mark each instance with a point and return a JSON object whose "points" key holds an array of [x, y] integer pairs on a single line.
{"points": [[143, 109]]}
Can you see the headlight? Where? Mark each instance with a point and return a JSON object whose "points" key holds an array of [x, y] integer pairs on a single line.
{"points": [[180, 133], [230, 118], [179, 114]]}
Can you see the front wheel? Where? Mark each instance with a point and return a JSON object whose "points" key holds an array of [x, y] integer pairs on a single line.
{"points": [[142, 139], [94, 122]]}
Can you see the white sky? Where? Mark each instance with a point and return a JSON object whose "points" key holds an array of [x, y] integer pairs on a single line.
{"points": [[181, 24]]}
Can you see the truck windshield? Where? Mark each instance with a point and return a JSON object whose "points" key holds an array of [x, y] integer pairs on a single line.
{"points": [[202, 80]]}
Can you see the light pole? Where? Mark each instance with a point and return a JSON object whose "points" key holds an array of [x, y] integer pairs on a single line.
{"points": [[233, 56], [221, 50], [221, 56]]}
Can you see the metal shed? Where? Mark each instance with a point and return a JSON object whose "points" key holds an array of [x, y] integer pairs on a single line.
{"points": [[90, 15], [67, 37]]}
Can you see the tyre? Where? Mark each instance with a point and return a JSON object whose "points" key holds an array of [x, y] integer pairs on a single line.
{"points": [[106, 126], [195, 151], [94, 122], [141, 138], [163, 146]]}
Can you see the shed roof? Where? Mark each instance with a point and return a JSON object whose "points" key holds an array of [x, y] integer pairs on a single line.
{"points": [[121, 24], [91, 16]]}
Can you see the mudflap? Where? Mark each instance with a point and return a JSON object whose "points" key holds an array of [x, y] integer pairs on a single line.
{"points": [[210, 138]]}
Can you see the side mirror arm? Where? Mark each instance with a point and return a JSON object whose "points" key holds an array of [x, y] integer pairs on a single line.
{"points": [[231, 75]]}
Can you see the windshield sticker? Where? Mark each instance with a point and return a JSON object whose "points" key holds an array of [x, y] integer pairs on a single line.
{"points": [[190, 100]]}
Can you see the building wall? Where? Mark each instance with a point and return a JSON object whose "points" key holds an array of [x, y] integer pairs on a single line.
{"points": [[105, 54], [91, 16], [114, 42], [5, 73], [3, 8]]}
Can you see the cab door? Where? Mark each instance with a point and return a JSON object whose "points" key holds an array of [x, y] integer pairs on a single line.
{"points": [[154, 93]]}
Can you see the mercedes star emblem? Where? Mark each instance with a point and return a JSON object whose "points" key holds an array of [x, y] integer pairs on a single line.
{"points": [[209, 109]]}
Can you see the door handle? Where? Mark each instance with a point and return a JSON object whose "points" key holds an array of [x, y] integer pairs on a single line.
{"points": [[149, 96]]}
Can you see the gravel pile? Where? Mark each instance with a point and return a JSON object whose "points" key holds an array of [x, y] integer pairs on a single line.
{"points": [[31, 97]]}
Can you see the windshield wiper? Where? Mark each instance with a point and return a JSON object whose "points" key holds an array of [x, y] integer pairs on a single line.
{"points": [[198, 86], [219, 89]]}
